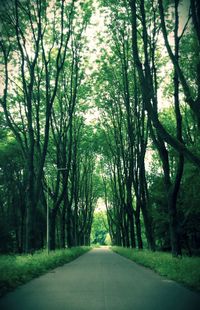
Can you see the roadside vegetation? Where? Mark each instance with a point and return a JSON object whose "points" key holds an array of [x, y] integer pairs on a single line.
{"points": [[19, 269], [185, 270]]}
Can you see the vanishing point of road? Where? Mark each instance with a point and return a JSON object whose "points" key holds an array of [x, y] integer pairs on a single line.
{"points": [[101, 280]]}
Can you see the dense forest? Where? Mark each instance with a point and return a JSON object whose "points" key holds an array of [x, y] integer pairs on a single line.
{"points": [[100, 99]]}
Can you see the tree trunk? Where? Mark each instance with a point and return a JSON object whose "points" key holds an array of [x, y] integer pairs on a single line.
{"points": [[132, 231], [138, 226], [173, 225], [148, 228], [69, 228], [63, 225], [53, 215]]}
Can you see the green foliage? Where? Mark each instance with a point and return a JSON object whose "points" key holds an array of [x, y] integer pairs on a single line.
{"points": [[78, 93], [159, 212], [184, 270], [12, 194], [188, 209], [10, 154], [18, 269], [99, 228]]}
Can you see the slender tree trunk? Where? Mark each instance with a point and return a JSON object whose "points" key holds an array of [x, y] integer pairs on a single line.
{"points": [[132, 231], [138, 226], [63, 224], [174, 225], [53, 215], [69, 226], [148, 228]]}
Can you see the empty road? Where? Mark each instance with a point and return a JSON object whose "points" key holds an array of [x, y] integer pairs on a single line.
{"points": [[101, 280]]}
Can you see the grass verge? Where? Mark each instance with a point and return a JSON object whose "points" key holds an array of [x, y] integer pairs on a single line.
{"points": [[18, 269], [185, 270]]}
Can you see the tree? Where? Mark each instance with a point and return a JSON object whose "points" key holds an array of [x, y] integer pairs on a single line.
{"points": [[27, 44], [12, 196], [99, 228]]}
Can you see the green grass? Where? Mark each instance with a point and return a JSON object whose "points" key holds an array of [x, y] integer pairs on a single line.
{"points": [[18, 269], [185, 270]]}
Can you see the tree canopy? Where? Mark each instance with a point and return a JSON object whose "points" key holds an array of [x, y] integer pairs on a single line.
{"points": [[100, 99]]}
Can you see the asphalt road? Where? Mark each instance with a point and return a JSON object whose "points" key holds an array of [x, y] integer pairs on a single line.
{"points": [[101, 280]]}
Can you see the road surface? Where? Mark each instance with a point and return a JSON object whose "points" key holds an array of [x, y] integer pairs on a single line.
{"points": [[101, 280]]}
